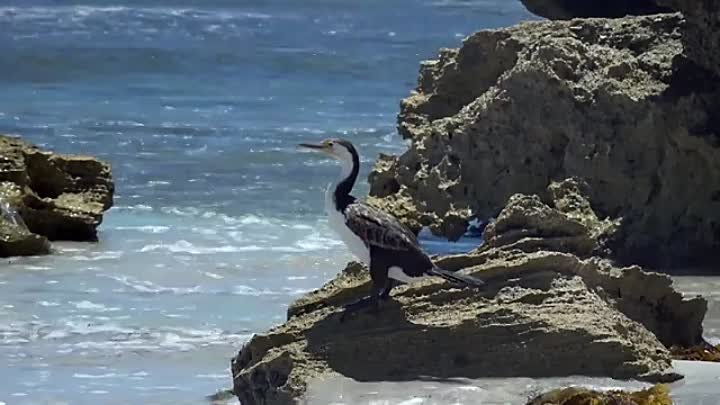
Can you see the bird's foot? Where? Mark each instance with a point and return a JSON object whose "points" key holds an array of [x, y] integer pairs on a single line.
{"points": [[367, 302]]}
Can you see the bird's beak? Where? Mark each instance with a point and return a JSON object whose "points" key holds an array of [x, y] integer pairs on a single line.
{"points": [[312, 146]]}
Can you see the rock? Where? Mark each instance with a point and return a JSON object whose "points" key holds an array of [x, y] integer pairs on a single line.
{"points": [[701, 33], [15, 238], [701, 352], [18, 241], [571, 226], [58, 196], [542, 314], [567, 9], [612, 102], [656, 395]]}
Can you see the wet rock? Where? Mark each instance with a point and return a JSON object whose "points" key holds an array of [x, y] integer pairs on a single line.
{"points": [[613, 102], [18, 241], [567, 9], [701, 352], [656, 395], [57, 196], [543, 314], [15, 238]]}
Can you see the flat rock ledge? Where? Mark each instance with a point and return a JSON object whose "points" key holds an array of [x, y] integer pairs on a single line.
{"points": [[544, 312], [57, 197]]}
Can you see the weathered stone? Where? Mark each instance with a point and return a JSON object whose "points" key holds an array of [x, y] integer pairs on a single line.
{"points": [[58, 196], [612, 102], [542, 314], [15, 238], [655, 395], [567, 9], [566, 223], [701, 352], [18, 241]]}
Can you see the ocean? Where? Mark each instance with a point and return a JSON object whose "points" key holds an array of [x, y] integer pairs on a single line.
{"points": [[218, 222]]}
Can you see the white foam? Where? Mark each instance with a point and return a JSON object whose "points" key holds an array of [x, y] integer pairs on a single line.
{"points": [[37, 268], [183, 246], [153, 229], [91, 306], [316, 242], [94, 376], [247, 290], [137, 207], [106, 255], [153, 183], [150, 287]]}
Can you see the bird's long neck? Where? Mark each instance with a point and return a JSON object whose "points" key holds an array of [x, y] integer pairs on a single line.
{"points": [[343, 186]]}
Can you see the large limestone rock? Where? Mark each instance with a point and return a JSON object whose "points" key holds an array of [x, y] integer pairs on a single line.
{"points": [[567, 9], [613, 102], [57, 196], [545, 312]]}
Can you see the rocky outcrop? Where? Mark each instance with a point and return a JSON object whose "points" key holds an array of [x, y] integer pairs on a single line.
{"points": [[613, 102], [568, 225], [567, 9], [540, 324], [545, 312], [57, 196]]}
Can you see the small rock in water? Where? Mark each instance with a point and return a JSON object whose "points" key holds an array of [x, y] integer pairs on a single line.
{"points": [[656, 395]]}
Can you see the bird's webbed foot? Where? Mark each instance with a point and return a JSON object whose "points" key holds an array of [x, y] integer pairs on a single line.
{"points": [[369, 302]]}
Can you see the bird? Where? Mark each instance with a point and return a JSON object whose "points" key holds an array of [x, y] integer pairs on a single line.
{"points": [[379, 240]]}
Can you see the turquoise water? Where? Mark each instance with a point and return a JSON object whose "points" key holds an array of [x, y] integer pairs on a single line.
{"points": [[217, 223]]}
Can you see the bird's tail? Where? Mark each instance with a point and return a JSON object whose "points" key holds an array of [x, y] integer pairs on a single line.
{"points": [[456, 278]]}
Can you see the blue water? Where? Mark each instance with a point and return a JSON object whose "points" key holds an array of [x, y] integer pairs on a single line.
{"points": [[218, 222]]}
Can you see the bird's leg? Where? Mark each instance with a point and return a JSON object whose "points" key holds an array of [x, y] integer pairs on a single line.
{"points": [[388, 287], [370, 301]]}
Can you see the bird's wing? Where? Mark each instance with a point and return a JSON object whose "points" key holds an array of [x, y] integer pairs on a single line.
{"points": [[378, 228]]}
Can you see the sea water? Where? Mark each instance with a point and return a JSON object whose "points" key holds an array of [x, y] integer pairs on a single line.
{"points": [[218, 222]]}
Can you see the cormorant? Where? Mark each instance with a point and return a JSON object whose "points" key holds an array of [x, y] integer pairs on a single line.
{"points": [[389, 249]]}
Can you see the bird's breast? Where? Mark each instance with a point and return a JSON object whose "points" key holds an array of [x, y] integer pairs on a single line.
{"points": [[351, 240]]}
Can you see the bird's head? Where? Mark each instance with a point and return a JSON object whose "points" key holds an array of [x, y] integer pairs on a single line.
{"points": [[339, 149]]}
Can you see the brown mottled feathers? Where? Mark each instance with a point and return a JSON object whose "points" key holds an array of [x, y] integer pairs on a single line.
{"points": [[377, 228]]}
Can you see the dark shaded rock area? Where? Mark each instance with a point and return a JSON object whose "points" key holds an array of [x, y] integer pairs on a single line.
{"points": [[701, 33], [58, 197], [567, 9]]}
